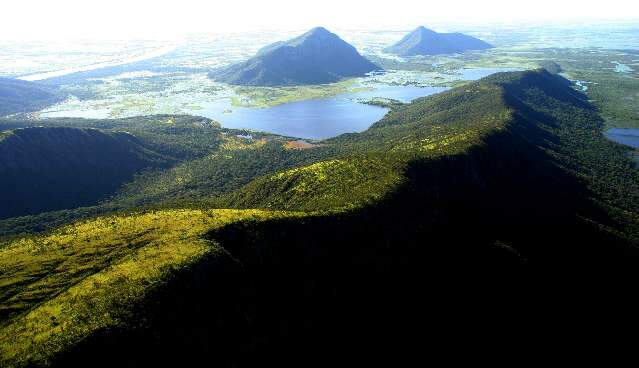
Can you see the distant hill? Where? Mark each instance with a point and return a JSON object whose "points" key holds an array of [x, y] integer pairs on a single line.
{"points": [[550, 66], [46, 169], [318, 56], [21, 96], [423, 41]]}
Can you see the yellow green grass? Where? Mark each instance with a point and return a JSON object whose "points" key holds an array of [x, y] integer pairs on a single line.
{"points": [[60, 288]]}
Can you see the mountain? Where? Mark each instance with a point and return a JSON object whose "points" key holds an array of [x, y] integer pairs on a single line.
{"points": [[423, 41], [316, 57], [363, 243], [21, 96], [46, 169]]}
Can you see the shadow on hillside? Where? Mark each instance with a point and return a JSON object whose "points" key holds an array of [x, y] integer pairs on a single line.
{"points": [[383, 285]]}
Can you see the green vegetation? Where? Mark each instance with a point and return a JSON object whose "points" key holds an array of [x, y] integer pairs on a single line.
{"points": [[614, 93], [204, 160], [388, 103], [225, 170], [611, 90], [59, 288], [326, 185], [178, 136], [505, 173], [374, 161]]}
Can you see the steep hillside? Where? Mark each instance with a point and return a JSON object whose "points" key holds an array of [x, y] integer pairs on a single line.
{"points": [[423, 41], [46, 169], [97, 269], [316, 57], [22, 96]]}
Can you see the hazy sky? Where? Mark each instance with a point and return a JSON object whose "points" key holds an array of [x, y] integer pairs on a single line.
{"points": [[145, 18]]}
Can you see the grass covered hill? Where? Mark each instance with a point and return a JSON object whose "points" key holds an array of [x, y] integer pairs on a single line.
{"points": [[18, 96], [316, 57], [339, 249]]}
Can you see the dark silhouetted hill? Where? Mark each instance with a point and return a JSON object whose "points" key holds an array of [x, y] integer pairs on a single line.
{"points": [[46, 169], [423, 41], [21, 96], [316, 57]]}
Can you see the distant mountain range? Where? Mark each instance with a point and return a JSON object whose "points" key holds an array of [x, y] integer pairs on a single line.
{"points": [[21, 96], [318, 56], [423, 41]]}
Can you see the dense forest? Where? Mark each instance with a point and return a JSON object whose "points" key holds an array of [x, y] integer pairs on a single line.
{"points": [[337, 252]]}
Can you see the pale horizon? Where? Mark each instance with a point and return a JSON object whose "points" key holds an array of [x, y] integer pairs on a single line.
{"points": [[73, 19]]}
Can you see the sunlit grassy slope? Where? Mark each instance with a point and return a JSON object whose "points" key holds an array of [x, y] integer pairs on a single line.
{"points": [[59, 288]]}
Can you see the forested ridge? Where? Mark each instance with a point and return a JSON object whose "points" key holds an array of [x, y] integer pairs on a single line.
{"points": [[338, 247]]}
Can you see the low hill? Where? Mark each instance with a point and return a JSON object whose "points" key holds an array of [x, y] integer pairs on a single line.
{"points": [[423, 41], [316, 57], [21, 96], [46, 169]]}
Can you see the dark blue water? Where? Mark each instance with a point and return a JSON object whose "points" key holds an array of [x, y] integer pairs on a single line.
{"points": [[628, 137], [314, 119]]}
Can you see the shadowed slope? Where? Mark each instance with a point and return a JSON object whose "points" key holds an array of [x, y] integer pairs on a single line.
{"points": [[46, 169]]}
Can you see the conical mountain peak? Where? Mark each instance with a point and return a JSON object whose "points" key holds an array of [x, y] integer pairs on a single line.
{"points": [[423, 41], [316, 57]]}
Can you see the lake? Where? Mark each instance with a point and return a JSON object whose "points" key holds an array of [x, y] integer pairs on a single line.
{"points": [[628, 137], [314, 119]]}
